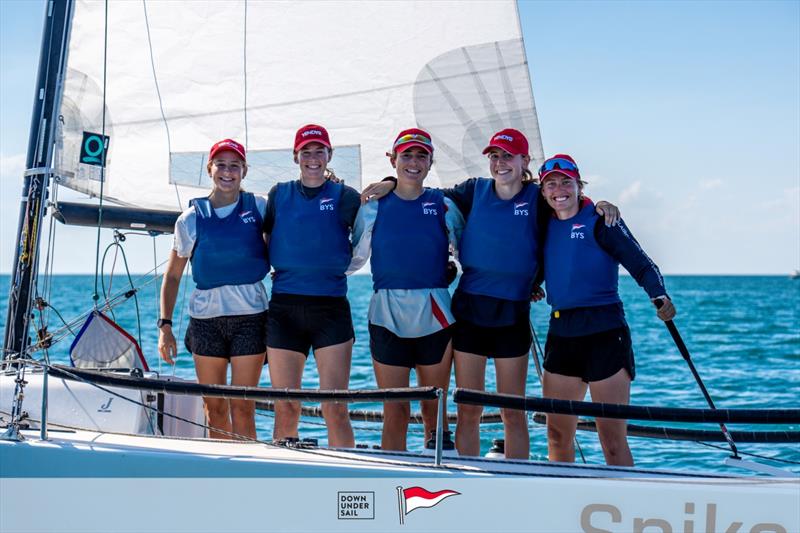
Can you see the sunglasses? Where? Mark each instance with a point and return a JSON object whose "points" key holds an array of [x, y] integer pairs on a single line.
{"points": [[416, 137], [557, 164]]}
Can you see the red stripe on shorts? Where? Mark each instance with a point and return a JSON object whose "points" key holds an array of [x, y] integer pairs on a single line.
{"points": [[438, 314]]}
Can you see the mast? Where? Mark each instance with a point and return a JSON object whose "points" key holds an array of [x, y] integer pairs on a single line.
{"points": [[47, 101]]}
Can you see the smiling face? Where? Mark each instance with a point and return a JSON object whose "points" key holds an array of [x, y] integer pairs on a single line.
{"points": [[505, 167], [313, 159], [562, 194], [412, 165], [227, 170]]}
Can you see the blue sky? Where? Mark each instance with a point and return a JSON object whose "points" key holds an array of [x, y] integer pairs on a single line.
{"points": [[685, 114]]}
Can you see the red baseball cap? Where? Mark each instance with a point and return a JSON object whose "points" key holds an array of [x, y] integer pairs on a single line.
{"points": [[413, 137], [559, 164], [227, 145], [510, 140], [311, 133]]}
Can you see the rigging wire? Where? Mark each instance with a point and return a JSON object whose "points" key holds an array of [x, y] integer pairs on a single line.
{"points": [[157, 291], [47, 366], [118, 238], [758, 456], [244, 38], [96, 296], [158, 93]]}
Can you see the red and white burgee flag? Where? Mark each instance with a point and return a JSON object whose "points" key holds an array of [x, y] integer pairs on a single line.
{"points": [[416, 497]]}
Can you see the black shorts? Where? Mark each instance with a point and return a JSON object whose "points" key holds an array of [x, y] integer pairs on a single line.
{"points": [[227, 336], [498, 342], [299, 323], [590, 357], [389, 349]]}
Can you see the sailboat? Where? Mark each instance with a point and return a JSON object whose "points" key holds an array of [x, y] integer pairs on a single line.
{"points": [[125, 85]]}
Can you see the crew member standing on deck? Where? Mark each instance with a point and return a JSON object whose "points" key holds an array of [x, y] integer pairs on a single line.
{"points": [[589, 343], [308, 223], [500, 257], [222, 236], [408, 233]]}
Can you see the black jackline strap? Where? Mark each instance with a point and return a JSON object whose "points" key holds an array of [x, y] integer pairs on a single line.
{"points": [[128, 381], [631, 412], [686, 434]]}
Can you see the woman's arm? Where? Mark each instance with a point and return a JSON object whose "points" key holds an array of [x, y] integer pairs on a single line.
{"points": [[167, 346], [461, 195], [362, 236], [620, 244]]}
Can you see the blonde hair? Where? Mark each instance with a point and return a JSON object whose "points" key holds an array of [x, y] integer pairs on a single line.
{"points": [[528, 177], [330, 174]]}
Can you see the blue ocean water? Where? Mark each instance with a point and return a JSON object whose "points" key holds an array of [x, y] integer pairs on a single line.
{"points": [[743, 334]]}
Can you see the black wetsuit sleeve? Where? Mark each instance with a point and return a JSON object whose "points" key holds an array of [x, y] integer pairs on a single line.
{"points": [[620, 244], [462, 195], [348, 206], [269, 216]]}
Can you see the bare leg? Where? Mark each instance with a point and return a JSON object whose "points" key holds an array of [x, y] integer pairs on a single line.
{"points": [[395, 414], [613, 432], [286, 372], [245, 371], [437, 375], [333, 363], [561, 428], [214, 371], [512, 374], [470, 374]]}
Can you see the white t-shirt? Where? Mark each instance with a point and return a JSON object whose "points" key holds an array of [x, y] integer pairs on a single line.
{"points": [[408, 313], [228, 300]]}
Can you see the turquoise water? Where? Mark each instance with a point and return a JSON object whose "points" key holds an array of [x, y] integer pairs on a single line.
{"points": [[743, 334]]}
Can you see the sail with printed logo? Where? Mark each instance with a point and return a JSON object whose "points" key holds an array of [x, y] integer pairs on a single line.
{"points": [[168, 79]]}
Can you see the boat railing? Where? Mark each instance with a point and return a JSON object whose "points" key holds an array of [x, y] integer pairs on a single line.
{"points": [[627, 412], [134, 380]]}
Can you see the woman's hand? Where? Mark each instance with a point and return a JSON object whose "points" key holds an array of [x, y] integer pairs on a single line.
{"points": [[537, 294], [376, 191], [609, 211], [167, 346], [664, 308]]}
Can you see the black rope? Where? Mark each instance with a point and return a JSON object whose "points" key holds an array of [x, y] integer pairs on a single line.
{"points": [[244, 393], [633, 412]]}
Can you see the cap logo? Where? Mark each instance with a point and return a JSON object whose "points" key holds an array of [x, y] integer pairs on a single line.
{"points": [[508, 138], [311, 132]]}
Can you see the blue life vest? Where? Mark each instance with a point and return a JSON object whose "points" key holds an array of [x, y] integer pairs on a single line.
{"points": [[499, 246], [230, 250], [309, 246], [409, 243], [577, 272]]}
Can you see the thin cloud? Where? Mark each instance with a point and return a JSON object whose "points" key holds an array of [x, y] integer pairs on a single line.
{"points": [[631, 192], [12, 165], [707, 185]]}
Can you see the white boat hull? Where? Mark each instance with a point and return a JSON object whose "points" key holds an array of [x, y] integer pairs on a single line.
{"points": [[112, 482]]}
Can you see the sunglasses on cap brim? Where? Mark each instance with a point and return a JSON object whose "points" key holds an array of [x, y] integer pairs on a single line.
{"points": [[416, 137], [557, 164]]}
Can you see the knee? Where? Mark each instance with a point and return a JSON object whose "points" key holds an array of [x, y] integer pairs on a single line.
{"points": [[243, 408], [557, 437], [397, 413], [615, 446], [216, 408], [336, 412], [513, 418], [469, 415], [287, 409]]}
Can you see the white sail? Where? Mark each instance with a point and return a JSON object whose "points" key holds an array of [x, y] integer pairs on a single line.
{"points": [[181, 75]]}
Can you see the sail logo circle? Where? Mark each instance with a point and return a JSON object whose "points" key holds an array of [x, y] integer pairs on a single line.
{"points": [[93, 149]]}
